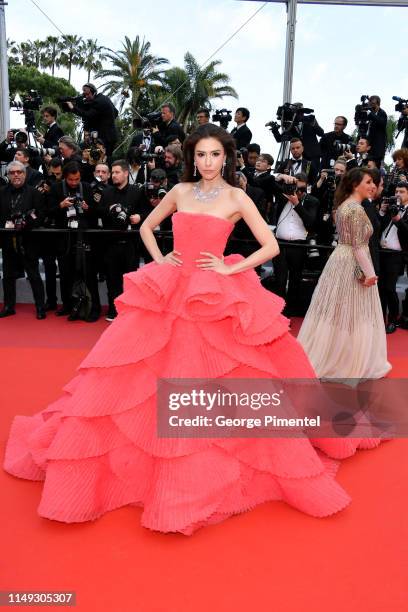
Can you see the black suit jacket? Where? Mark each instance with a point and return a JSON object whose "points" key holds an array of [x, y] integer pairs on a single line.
{"points": [[30, 199], [402, 228], [52, 136], [242, 136], [377, 133], [307, 210], [286, 167], [327, 147], [173, 128], [137, 140], [99, 115]]}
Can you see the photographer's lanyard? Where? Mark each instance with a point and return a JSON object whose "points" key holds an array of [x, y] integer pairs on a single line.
{"points": [[15, 201]]}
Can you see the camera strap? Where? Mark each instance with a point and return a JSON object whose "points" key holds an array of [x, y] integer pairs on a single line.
{"points": [[65, 190]]}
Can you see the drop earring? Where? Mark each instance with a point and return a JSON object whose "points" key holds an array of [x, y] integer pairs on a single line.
{"points": [[223, 168], [195, 170]]}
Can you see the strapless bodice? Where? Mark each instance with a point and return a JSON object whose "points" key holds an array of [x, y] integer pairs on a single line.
{"points": [[197, 232]]}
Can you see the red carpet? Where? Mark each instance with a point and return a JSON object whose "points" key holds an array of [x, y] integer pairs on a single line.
{"points": [[273, 558]]}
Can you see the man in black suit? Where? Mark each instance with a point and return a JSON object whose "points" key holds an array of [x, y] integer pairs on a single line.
{"points": [[297, 163], [329, 151], [169, 126], [262, 179], [144, 140], [50, 139], [394, 238], [371, 210], [16, 199], [33, 177], [241, 132], [98, 114], [377, 129], [361, 158], [295, 219]]}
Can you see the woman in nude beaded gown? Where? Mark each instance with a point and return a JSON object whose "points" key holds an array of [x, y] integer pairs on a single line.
{"points": [[343, 332]]}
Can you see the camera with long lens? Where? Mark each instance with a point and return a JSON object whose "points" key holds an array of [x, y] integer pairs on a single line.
{"points": [[223, 117], [342, 147], [146, 157], [155, 119], [154, 192], [24, 220], [361, 113], [31, 102], [402, 104], [394, 205], [288, 113], [119, 215], [76, 100]]}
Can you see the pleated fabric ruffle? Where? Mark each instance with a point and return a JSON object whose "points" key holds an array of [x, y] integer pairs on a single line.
{"points": [[96, 447]]}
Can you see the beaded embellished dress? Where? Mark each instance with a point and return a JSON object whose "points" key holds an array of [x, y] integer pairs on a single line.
{"points": [[96, 448], [343, 332]]}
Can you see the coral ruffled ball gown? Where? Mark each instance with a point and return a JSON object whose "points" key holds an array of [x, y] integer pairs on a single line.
{"points": [[96, 447]]}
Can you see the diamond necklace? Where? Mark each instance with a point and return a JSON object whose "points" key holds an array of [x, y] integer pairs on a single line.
{"points": [[206, 196]]}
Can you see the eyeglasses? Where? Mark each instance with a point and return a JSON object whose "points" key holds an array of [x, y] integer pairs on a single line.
{"points": [[15, 172]]}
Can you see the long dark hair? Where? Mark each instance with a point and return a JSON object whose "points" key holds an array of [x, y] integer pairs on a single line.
{"points": [[209, 130], [348, 183]]}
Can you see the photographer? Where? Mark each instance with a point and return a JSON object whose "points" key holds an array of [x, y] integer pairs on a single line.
{"points": [[145, 140], [124, 207], [203, 116], [363, 154], [399, 172], [71, 205], [329, 142], [98, 114], [138, 169], [296, 163], [173, 163], [371, 121], [96, 154], [21, 208], [53, 133], [241, 133], [295, 220], [168, 126], [69, 150], [17, 139], [394, 238], [34, 178], [402, 125], [324, 191], [299, 124]]}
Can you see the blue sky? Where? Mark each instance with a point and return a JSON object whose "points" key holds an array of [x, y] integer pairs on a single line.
{"points": [[341, 52]]}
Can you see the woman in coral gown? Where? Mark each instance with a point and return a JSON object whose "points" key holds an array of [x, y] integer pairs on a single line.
{"points": [[190, 314]]}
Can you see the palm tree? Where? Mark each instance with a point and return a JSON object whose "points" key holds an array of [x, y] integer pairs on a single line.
{"points": [[50, 55], [36, 48], [134, 70], [24, 53], [194, 86], [70, 52], [92, 54], [392, 123]]}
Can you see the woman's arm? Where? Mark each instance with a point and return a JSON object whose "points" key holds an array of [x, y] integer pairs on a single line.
{"points": [[261, 231], [166, 207]]}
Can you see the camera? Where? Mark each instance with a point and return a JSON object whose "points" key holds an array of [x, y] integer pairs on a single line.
{"points": [[153, 192], [312, 251], [288, 113], [223, 117], [118, 214], [394, 205], [146, 157], [341, 147], [74, 210], [361, 116], [155, 119], [31, 101], [289, 188], [402, 104], [77, 100], [24, 220]]}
